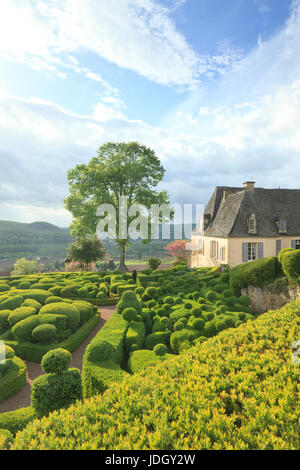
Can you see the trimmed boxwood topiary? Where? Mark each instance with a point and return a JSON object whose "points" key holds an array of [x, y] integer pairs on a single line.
{"points": [[62, 308], [291, 264], [44, 333], [129, 299], [32, 303], [11, 303], [157, 338], [19, 314], [160, 350], [52, 299], [52, 392], [56, 361], [211, 295], [198, 324], [23, 329], [129, 314]]}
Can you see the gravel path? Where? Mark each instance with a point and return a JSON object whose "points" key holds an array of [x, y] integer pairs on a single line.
{"points": [[21, 399]]}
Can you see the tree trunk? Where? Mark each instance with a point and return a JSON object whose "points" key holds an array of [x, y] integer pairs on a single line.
{"points": [[122, 267]]}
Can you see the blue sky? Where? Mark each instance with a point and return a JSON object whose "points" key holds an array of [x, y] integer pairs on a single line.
{"points": [[213, 86]]}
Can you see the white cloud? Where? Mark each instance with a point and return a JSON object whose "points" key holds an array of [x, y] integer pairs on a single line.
{"points": [[264, 6], [251, 129], [139, 35]]}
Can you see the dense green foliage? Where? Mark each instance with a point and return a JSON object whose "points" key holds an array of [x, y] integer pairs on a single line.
{"points": [[235, 391], [128, 169], [60, 387], [254, 273], [56, 361], [17, 420], [290, 261], [12, 374], [104, 356], [19, 240]]}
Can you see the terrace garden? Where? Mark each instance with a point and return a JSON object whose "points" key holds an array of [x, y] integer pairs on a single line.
{"points": [[183, 326]]}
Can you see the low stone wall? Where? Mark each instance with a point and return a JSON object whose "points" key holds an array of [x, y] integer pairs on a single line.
{"points": [[263, 299]]}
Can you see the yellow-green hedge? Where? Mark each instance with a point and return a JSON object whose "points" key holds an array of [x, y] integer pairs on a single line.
{"points": [[238, 390]]}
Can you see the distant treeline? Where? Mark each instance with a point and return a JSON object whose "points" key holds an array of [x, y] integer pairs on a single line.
{"points": [[19, 240]]}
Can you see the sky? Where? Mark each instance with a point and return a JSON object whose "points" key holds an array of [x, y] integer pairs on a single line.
{"points": [[212, 86]]}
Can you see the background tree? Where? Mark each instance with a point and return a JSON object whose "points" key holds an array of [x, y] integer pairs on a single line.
{"points": [[154, 263], [86, 250], [120, 169], [177, 249], [25, 266]]}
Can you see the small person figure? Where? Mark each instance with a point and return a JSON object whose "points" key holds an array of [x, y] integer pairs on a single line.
{"points": [[134, 275]]}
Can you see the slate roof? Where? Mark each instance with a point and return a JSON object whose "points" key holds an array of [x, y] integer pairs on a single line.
{"points": [[229, 216]]}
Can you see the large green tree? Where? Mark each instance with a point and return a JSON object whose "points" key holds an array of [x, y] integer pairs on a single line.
{"points": [[86, 250], [121, 169]]}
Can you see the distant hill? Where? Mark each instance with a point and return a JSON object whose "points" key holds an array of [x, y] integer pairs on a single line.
{"points": [[19, 240], [34, 239]]}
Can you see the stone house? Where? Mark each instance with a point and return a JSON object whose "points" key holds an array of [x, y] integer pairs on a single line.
{"points": [[242, 224]]}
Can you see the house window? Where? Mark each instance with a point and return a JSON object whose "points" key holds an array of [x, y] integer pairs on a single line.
{"points": [[222, 253], [297, 244], [282, 226], [252, 223], [252, 251], [214, 248]]}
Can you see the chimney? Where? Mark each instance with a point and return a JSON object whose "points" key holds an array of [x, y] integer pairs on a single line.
{"points": [[249, 185]]}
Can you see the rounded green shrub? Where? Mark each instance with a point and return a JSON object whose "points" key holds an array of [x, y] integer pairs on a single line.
{"points": [[24, 285], [188, 305], [52, 392], [62, 308], [56, 361], [23, 329], [39, 295], [19, 314], [53, 299], [129, 314], [220, 325], [196, 312], [228, 293], [283, 252], [44, 333], [244, 300], [220, 310], [179, 325], [11, 303], [129, 299], [198, 324], [168, 300], [32, 303], [86, 310], [139, 290], [160, 350], [156, 338], [4, 288], [183, 339], [55, 290], [4, 325], [291, 265], [211, 295]]}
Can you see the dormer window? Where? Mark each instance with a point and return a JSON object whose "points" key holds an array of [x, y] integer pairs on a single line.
{"points": [[252, 224], [282, 226]]}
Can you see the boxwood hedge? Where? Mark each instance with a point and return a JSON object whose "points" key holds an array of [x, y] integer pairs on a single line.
{"points": [[236, 391]]}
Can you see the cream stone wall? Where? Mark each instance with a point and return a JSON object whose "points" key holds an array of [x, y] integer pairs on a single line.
{"points": [[199, 260], [234, 249]]}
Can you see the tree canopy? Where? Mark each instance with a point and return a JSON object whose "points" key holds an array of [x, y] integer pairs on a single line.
{"points": [[129, 170]]}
